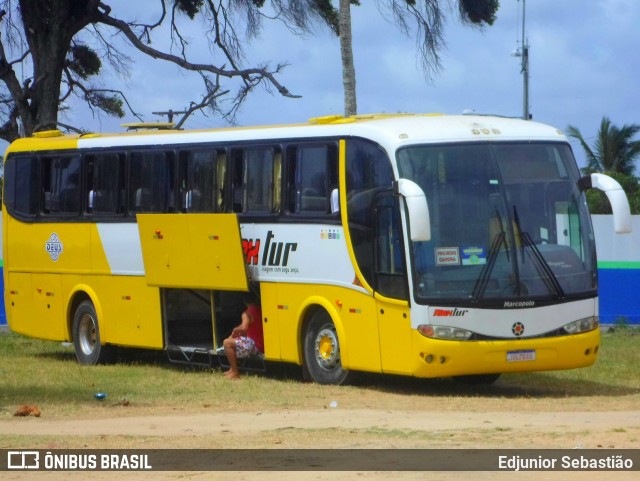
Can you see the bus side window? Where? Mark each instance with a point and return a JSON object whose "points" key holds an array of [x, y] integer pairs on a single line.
{"points": [[255, 179], [259, 179], [151, 182], [237, 180], [198, 175], [390, 278], [220, 186], [311, 176], [61, 185], [105, 183], [21, 185], [368, 173]]}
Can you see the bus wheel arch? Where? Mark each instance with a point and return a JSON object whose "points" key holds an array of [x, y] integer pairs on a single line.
{"points": [[85, 331], [322, 359]]}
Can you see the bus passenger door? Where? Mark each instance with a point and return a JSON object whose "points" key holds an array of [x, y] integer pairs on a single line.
{"points": [[391, 287]]}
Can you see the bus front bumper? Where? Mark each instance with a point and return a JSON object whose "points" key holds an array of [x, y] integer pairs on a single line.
{"points": [[443, 358]]}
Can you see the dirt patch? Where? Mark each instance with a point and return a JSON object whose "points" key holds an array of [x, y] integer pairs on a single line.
{"points": [[498, 417]]}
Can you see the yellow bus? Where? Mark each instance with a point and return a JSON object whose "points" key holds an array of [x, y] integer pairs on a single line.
{"points": [[419, 245]]}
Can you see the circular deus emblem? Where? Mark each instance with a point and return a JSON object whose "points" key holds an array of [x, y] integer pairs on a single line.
{"points": [[517, 329], [53, 246]]}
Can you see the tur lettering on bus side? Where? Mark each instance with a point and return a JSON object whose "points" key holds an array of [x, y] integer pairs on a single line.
{"points": [[274, 254]]}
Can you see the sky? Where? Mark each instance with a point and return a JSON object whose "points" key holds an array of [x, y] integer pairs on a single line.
{"points": [[584, 64]]}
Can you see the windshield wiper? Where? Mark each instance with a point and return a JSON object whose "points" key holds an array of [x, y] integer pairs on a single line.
{"points": [[541, 263], [492, 256]]}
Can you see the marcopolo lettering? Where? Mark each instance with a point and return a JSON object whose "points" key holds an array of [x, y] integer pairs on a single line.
{"points": [[519, 303]]}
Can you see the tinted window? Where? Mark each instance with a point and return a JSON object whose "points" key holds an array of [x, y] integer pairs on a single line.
{"points": [[311, 176], [150, 182], [369, 174], [202, 174], [105, 184], [61, 185], [256, 177], [21, 186]]}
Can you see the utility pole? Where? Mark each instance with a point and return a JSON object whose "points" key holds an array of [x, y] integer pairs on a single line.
{"points": [[525, 68], [524, 57]]}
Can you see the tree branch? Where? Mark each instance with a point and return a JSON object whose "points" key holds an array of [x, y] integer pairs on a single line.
{"points": [[90, 94], [207, 101], [185, 64], [9, 77]]}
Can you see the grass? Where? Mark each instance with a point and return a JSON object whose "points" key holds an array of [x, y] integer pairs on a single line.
{"points": [[46, 374], [617, 370]]}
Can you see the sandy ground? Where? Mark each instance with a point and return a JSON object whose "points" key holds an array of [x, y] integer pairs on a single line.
{"points": [[502, 420], [338, 428]]}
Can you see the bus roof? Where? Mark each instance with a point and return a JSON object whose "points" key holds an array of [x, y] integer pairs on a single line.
{"points": [[387, 129]]}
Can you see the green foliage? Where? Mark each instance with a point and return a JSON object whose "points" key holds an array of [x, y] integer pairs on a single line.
{"points": [[479, 11], [111, 104], [613, 150], [328, 13], [83, 60], [599, 204], [189, 7], [614, 153]]}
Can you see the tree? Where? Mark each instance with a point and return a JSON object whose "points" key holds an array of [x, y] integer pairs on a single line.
{"points": [[428, 16], [51, 50], [614, 149], [346, 53], [614, 152]]}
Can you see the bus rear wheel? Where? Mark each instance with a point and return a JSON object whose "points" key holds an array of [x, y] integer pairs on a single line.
{"points": [[86, 337], [322, 350]]}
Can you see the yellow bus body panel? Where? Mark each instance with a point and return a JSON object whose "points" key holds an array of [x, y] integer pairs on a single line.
{"points": [[454, 358], [129, 311], [193, 251], [39, 291], [270, 320], [286, 306], [27, 250], [394, 323]]}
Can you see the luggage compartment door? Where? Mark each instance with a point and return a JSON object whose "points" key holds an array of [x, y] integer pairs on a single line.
{"points": [[193, 251]]}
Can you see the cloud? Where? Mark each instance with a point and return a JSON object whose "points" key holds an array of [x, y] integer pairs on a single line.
{"points": [[583, 66]]}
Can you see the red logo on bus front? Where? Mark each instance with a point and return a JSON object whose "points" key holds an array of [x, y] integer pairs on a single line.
{"points": [[449, 312], [517, 329]]}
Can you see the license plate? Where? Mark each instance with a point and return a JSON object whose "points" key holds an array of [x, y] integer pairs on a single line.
{"points": [[521, 356]]}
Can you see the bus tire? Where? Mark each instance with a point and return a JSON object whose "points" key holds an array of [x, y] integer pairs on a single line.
{"points": [[86, 337], [322, 350]]}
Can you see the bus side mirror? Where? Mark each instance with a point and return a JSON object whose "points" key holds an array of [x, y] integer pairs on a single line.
{"points": [[417, 208], [617, 199]]}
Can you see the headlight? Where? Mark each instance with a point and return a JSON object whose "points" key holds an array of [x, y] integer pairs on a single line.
{"points": [[444, 332], [582, 325]]}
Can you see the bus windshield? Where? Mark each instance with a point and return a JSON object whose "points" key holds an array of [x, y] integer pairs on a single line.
{"points": [[510, 226]]}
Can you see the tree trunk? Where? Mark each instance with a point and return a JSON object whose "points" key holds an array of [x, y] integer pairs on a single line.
{"points": [[346, 51], [49, 26]]}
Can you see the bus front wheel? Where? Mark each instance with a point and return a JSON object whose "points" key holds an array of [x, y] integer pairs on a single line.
{"points": [[322, 350], [86, 337]]}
